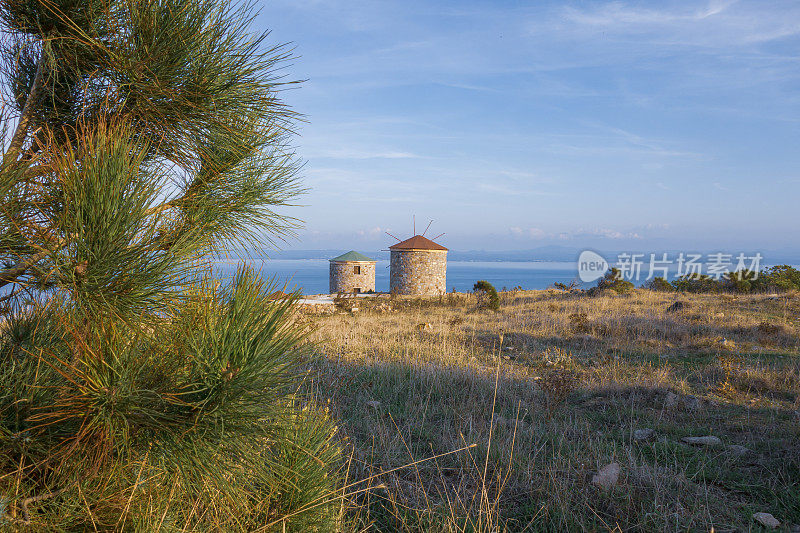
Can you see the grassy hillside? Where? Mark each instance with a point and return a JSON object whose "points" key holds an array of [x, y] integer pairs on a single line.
{"points": [[541, 395]]}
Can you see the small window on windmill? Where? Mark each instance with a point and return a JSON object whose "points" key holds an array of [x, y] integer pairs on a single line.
{"points": [[357, 269]]}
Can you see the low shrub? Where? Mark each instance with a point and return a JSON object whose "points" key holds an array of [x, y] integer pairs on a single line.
{"points": [[741, 281], [568, 287], [659, 284], [697, 283], [612, 281], [580, 322], [780, 278], [487, 295]]}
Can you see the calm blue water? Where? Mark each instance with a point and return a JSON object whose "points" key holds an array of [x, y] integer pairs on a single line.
{"points": [[310, 276]]}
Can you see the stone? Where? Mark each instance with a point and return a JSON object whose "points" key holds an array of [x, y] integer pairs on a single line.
{"points": [[374, 404], [671, 400], [766, 520], [707, 440], [691, 403], [642, 434], [607, 476], [738, 450], [680, 305], [794, 528]]}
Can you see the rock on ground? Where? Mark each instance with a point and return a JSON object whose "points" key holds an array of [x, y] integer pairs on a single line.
{"points": [[690, 403], [607, 476], [642, 434], [680, 305], [671, 400], [738, 450], [707, 440], [766, 520]]}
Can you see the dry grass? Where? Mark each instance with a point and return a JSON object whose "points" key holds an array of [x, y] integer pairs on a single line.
{"points": [[550, 389]]}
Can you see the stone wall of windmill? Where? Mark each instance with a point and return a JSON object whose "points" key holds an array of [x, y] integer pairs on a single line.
{"points": [[418, 266], [352, 273]]}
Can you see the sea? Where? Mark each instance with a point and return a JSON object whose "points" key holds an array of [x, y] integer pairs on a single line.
{"points": [[310, 276]]}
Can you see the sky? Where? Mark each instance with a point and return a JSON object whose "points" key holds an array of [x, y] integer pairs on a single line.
{"points": [[515, 125]]}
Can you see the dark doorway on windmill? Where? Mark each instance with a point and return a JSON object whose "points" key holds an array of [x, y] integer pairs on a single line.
{"points": [[356, 269], [356, 290]]}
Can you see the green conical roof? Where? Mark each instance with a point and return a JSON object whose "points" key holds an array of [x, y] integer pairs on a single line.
{"points": [[352, 255]]}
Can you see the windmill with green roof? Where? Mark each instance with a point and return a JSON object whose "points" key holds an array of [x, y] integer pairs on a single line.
{"points": [[352, 273]]}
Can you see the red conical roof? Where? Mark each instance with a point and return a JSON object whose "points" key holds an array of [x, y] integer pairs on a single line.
{"points": [[417, 242]]}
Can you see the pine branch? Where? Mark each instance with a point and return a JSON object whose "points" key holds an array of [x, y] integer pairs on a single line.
{"points": [[26, 517], [153, 135], [22, 126], [162, 207], [10, 275], [10, 296]]}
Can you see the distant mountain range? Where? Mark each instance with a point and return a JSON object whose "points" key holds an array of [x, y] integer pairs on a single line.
{"points": [[542, 253]]}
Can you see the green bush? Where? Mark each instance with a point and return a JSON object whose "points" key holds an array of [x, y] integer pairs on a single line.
{"points": [[740, 281], [781, 278], [697, 284], [659, 284], [487, 295], [612, 281]]}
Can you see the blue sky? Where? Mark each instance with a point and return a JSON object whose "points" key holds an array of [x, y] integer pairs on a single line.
{"points": [[647, 125]]}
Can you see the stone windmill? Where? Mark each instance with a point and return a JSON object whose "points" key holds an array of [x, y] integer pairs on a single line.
{"points": [[418, 266]]}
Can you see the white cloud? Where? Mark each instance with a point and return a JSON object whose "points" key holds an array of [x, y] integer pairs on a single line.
{"points": [[718, 24], [657, 226], [617, 13], [371, 233], [530, 233], [350, 153], [606, 233]]}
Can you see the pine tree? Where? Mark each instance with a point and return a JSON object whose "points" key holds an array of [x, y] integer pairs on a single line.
{"points": [[142, 140]]}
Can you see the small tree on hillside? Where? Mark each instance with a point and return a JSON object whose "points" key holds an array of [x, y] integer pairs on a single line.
{"points": [[143, 139], [487, 295], [611, 281]]}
